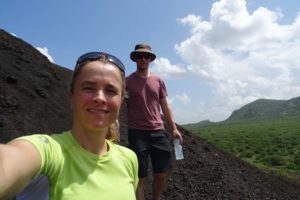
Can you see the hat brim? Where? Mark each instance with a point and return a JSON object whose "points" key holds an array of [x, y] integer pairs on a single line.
{"points": [[133, 55]]}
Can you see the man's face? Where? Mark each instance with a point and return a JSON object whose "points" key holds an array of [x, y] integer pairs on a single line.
{"points": [[143, 60]]}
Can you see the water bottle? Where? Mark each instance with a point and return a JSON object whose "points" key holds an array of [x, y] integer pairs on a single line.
{"points": [[178, 149]]}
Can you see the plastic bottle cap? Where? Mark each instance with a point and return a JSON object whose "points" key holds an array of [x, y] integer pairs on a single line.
{"points": [[176, 141]]}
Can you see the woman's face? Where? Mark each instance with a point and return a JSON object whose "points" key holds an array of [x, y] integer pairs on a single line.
{"points": [[97, 97]]}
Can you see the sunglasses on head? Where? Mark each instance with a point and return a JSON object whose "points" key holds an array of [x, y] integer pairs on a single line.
{"points": [[96, 55], [146, 56]]}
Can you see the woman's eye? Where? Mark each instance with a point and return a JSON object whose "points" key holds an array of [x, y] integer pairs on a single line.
{"points": [[112, 91], [88, 88]]}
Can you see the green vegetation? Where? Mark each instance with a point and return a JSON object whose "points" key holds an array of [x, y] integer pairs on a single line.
{"points": [[271, 144]]}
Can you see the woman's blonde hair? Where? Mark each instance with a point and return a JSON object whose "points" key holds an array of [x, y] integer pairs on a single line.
{"points": [[114, 132]]}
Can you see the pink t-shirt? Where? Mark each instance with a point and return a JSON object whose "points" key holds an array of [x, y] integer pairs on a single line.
{"points": [[143, 104]]}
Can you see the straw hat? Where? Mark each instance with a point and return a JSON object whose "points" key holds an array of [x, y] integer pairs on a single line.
{"points": [[142, 49]]}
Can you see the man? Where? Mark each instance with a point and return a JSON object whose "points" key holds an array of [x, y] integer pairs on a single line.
{"points": [[146, 135]]}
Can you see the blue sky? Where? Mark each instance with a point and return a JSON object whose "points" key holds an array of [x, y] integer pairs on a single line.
{"points": [[215, 56]]}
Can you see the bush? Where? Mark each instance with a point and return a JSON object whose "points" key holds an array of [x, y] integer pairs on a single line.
{"points": [[274, 160], [297, 158], [246, 154], [292, 166]]}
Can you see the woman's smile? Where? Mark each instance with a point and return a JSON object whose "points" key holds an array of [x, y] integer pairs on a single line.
{"points": [[98, 111]]}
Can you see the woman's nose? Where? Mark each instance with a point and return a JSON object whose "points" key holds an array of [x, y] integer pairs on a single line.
{"points": [[100, 97]]}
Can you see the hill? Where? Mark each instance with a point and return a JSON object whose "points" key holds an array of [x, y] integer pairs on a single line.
{"points": [[33, 100], [262, 109], [32, 91]]}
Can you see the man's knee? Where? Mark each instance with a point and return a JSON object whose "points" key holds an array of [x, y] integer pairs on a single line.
{"points": [[160, 175]]}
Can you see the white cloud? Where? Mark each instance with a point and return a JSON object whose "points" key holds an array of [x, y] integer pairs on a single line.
{"points": [[13, 34], [184, 98], [45, 52], [163, 67], [242, 55]]}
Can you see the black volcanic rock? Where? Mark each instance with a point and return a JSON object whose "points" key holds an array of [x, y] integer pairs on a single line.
{"points": [[33, 99], [32, 91]]}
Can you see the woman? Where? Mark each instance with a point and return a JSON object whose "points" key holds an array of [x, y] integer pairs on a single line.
{"points": [[82, 163]]}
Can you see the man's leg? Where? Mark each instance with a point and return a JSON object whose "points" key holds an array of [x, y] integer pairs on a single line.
{"points": [[138, 143], [143, 168], [159, 180], [161, 157], [140, 191]]}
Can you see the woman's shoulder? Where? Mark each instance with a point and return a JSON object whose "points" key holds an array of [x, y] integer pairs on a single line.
{"points": [[46, 140], [122, 150]]}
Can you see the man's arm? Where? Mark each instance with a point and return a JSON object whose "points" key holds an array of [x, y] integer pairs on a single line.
{"points": [[19, 162], [169, 117]]}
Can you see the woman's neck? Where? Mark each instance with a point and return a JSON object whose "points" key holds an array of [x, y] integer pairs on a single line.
{"points": [[92, 141]]}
